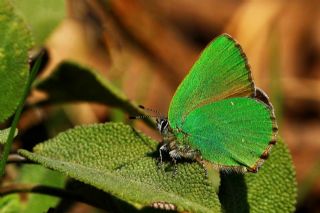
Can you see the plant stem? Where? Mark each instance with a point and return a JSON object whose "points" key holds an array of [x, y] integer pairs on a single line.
{"points": [[8, 144]]}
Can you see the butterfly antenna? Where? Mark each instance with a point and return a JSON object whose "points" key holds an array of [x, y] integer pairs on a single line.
{"points": [[143, 116], [152, 110]]}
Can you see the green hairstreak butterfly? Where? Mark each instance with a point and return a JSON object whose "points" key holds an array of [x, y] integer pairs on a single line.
{"points": [[217, 114]]}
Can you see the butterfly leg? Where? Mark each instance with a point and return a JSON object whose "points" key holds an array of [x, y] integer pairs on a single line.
{"points": [[189, 153], [201, 162], [162, 148], [174, 156], [175, 171]]}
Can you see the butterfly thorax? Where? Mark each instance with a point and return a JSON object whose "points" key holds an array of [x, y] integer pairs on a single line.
{"points": [[175, 141]]}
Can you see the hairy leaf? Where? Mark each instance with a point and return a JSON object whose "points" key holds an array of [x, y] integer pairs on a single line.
{"points": [[4, 135], [71, 82], [272, 189], [14, 45], [115, 158]]}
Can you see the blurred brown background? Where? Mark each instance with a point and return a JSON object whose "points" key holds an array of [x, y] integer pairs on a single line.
{"points": [[147, 47]]}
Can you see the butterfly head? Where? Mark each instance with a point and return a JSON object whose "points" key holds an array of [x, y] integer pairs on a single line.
{"points": [[161, 121], [162, 125]]}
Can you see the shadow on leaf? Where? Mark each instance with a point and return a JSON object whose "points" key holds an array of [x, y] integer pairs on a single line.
{"points": [[233, 193]]}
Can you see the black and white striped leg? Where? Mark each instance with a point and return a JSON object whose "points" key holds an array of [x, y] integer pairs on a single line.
{"points": [[174, 156], [162, 148]]}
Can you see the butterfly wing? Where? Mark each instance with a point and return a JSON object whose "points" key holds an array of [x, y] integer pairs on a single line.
{"points": [[235, 132], [215, 107], [221, 71]]}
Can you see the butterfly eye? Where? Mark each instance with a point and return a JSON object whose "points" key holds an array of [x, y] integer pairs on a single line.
{"points": [[163, 125], [159, 124]]}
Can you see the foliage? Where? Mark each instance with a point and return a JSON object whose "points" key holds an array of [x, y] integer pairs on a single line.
{"points": [[14, 45], [117, 159], [33, 175], [41, 16], [97, 89], [118, 162], [4, 135]]}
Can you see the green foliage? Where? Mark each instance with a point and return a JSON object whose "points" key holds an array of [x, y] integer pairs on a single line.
{"points": [[14, 45], [78, 83], [16, 117], [4, 135], [42, 16], [115, 158], [10, 204], [36, 174], [33, 174], [272, 189]]}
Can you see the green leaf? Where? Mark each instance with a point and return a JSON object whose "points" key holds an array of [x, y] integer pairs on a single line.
{"points": [[115, 158], [4, 135], [15, 41], [36, 174], [42, 16], [118, 160], [272, 189], [33, 174], [10, 204], [16, 117], [71, 82]]}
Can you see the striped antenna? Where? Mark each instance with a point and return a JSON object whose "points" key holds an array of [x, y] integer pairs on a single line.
{"points": [[151, 110], [143, 116], [158, 114]]}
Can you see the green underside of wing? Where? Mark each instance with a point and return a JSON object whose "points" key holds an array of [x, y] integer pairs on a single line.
{"points": [[220, 72], [231, 132]]}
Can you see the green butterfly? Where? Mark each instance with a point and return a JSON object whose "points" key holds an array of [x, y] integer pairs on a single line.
{"points": [[218, 115]]}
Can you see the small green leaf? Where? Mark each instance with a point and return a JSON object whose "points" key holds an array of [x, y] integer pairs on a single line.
{"points": [[4, 135], [10, 204], [42, 16], [71, 82], [16, 117], [36, 174], [15, 41], [33, 174], [115, 158], [272, 189]]}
